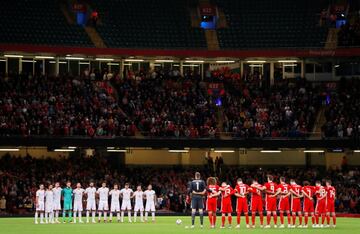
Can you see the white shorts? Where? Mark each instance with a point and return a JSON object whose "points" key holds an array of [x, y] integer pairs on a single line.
{"points": [[49, 207], [150, 206], [90, 205], [103, 205], [139, 207], [40, 206], [78, 206], [115, 207], [57, 205], [126, 205]]}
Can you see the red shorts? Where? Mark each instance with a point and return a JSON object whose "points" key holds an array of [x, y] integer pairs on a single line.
{"points": [[330, 206], [242, 205], [320, 207], [295, 205], [270, 204], [226, 207], [256, 205], [284, 204], [211, 205], [308, 206]]}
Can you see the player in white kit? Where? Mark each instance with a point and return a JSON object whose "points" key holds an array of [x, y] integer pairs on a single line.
{"points": [[126, 194], [40, 204], [150, 197], [139, 203], [103, 193], [49, 205], [57, 201], [90, 202], [115, 202], [78, 202]]}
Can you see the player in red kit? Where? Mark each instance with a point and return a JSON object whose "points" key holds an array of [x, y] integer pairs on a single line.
{"points": [[270, 201], [241, 191], [212, 198], [284, 205], [256, 202], [226, 207], [296, 196], [320, 209], [330, 196], [308, 203]]}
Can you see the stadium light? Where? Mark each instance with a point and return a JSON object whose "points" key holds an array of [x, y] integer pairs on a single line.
{"points": [[104, 59], [84, 63], [225, 61], [74, 58], [164, 60], [356, 151], [337, 65], [116, 150], [9, 149], [287, 61], [256, 61], [13, 56], [64, 150], [134, 60], [224, 151], [28, 61], [190, 65], [2, 60], [71, 147], [179, 151], [290, 65], [113, 64], [44, 57], [194, 61], [314, 151], [270, 151]]}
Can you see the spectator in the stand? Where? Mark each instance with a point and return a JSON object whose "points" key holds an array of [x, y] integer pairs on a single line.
{"points": [[2, 203], [94, 17]]}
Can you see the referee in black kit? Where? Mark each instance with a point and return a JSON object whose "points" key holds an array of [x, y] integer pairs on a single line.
{"points": [[197, 190]]}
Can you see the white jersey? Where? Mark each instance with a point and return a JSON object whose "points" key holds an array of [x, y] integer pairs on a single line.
{"points": [[150, 196], [78, 194], [103, 194], [40, 194], [49, 201], [139, 197], [90, 191], [115, 195], [126, 194], [57, 195]]}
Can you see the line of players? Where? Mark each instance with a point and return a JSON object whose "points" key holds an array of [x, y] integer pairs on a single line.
{"points": [[282, 197], [48, 202]]}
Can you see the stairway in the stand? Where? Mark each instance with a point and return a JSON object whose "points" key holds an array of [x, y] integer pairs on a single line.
{"points": [[95, 37], [212, 39], [319, 122], [332, 39]]}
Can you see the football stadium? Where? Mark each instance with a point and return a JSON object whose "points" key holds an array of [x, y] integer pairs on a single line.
{"points": [[181, 116]]}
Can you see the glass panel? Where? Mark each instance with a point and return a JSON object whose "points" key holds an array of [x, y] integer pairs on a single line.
{"points": [[13, 65], [50, 67], [27, 66]]}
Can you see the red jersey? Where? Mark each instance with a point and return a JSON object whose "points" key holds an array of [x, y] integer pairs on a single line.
{"points": [[242, 189], [270, 189], [320, 191], [284, 189], [255, 193], [308, 190], [228, 191], [331, 192], [297, 189], [213, 189]]}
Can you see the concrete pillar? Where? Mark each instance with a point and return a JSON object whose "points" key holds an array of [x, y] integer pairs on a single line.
{"points": [[6, 66], [57, 66], [241, 68], [121, 70], [43, 67], [303, 68], [152, 65], [272, 70], [20, 65], [181, 68]]}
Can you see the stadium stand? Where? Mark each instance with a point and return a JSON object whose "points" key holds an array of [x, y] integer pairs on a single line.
{"points": [[39, 22], [20, 177], [128, 24], [271, 24]]}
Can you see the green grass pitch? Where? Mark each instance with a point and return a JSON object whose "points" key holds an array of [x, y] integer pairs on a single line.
{"points": [[163, 225]]}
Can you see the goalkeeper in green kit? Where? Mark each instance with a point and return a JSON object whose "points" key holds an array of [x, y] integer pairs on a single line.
{"points": [[67, 194]]}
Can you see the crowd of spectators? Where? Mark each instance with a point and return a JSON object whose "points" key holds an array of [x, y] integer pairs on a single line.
{"points": [[20, 177], [66, 105], [342, 112]]}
